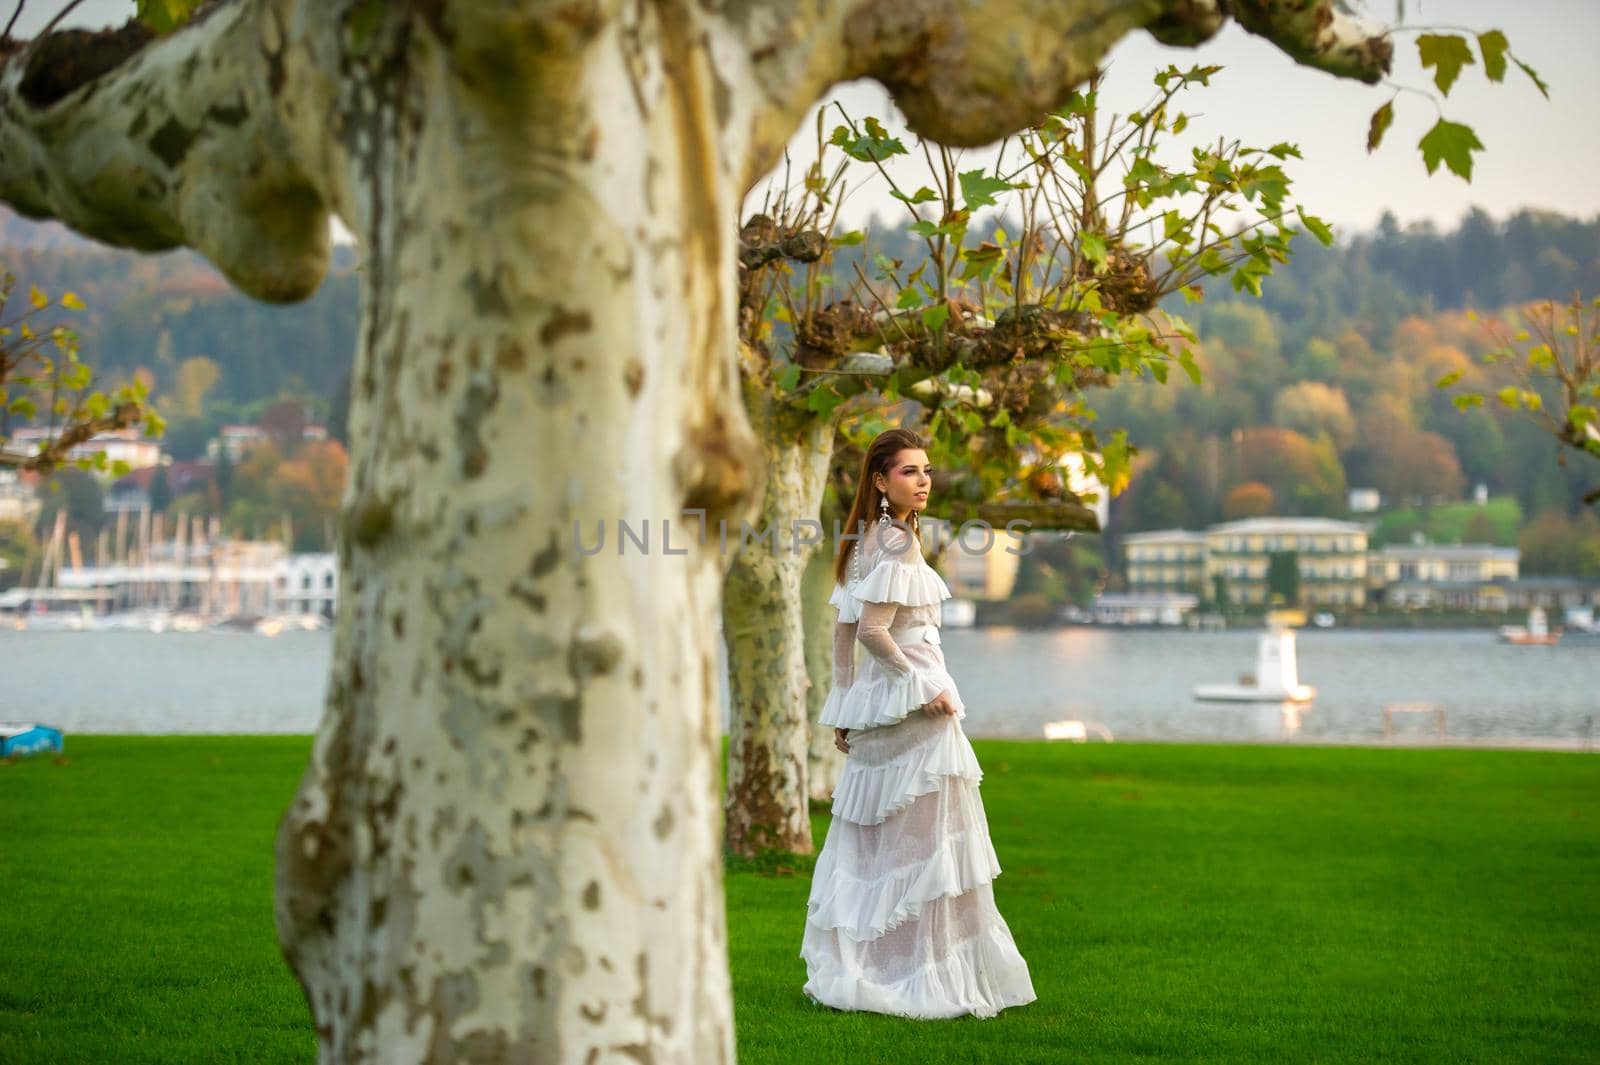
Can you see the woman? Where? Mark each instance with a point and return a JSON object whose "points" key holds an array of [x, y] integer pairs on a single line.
{"points": [[901, 917]]}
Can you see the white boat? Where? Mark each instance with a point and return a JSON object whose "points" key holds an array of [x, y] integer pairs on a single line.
{"points": [[1276, 679], [1536, 633]]}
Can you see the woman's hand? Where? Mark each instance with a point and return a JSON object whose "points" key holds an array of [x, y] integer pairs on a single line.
{"points": [[839, 740], [940, 705]]}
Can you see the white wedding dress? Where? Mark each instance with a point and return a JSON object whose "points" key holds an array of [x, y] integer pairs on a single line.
{"points": [[901, 917]]}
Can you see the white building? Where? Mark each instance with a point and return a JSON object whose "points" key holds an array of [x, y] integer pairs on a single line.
{"points": [[306, 583], [1143, 608], [222, 578], [1364, 500], [118, 445], [18, 501]]}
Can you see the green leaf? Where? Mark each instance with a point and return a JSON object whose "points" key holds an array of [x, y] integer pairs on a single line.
{"points": [[71, 302], [1467, 400], [873, 146], [981, 261], [1448, 379], [1447, 53], [1382, 119], [854, 236], [1493, 46], [978, 188], [1453, 143], [1537, 80], [935, 316], [1093, 246], [822, 401], [1317, 226], [789, 377], [1510, 396], [910, 296], [922, 195], [164, 16], [1186, 360]]}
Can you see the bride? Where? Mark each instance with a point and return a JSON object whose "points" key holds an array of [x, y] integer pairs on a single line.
{"points": [[901, 917]]}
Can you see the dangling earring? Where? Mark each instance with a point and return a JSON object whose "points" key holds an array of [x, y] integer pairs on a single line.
{"points": [[914, 525], [883, 510]]}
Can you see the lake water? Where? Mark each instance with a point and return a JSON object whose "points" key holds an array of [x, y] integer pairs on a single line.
{"points": [[1134, 685]]}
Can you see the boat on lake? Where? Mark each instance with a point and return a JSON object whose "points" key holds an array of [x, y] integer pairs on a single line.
{"points": [[1536, 632], [1276, 679]]}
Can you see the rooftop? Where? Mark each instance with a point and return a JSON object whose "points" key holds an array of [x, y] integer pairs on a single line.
{"points": [[1184, 535], [1451, 551], [1287, 525]]}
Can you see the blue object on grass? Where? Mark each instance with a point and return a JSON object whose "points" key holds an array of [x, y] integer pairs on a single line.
{"points": [[27, 738]]}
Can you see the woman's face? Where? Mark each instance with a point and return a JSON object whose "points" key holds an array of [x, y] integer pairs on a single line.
{"points": [[908, 482]]}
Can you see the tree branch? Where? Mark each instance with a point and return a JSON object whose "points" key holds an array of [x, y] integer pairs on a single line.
{"points": [[157, 143]]}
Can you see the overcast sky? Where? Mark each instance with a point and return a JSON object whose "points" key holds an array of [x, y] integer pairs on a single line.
{"points": [[1539, 154]]}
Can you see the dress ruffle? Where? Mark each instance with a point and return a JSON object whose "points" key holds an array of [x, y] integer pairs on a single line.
{"points": [[870, 794], [897, 580], [874, 701], [866, 909], [983, 975], [848, 606]]}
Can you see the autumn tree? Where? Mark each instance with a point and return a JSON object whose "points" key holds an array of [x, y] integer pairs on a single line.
{"points": [[1304, 476], [1249, 500], [196, 377], [1546, 364], [1316, 409], [1419, 465]]}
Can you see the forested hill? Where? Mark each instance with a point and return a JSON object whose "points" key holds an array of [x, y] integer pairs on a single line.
{"points": [[1376, 279], [156, 311], [1342, 345]]}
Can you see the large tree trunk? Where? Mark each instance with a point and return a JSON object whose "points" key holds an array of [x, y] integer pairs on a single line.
{"points": [[507, 844], [763, 622]]}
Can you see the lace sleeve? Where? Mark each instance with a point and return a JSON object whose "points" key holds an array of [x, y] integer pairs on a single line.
{"points": [[873, 632], [844, 654]]}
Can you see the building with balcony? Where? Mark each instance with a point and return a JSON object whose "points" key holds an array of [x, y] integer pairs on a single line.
{"points": [[1456, 576], [1330, 557], [1170, 560]]}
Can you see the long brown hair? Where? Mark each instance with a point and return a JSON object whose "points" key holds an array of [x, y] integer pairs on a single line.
{"points": [[864, 508]]}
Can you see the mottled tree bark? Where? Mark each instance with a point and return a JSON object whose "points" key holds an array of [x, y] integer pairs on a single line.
{"points": [[507, 845], [763, 621]]}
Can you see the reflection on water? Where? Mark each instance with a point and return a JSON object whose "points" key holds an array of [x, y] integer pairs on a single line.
{"points": [[1136, 684]]}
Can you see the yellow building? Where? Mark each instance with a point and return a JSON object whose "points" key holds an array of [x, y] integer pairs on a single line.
{"points": [[1464, 576], [981, 565], [1442, 563], [1331, 557], [1171, 560]]}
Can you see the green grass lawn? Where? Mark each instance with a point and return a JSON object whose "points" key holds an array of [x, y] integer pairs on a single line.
{"points": [[1175, 903]]}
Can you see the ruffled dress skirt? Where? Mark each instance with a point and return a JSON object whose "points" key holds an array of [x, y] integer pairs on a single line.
{"points": [[901, 917]]}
